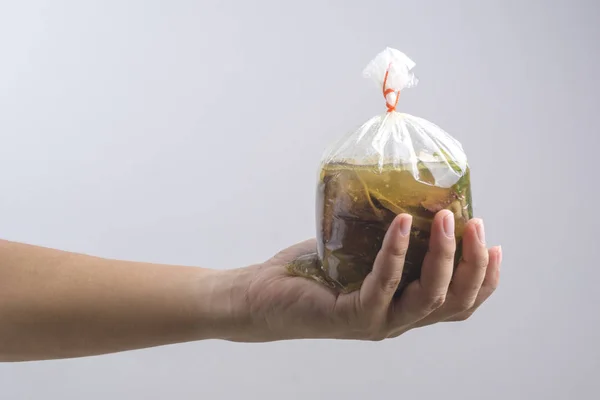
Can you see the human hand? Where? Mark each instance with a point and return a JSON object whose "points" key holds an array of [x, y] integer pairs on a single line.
{"points": [[61, 305], [279, 306]]}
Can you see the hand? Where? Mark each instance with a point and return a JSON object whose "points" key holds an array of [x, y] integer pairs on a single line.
{"points": [[281, 306]]}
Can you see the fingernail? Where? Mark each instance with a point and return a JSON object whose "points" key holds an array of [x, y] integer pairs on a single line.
{"points": [[480, 231], [499, 255], [448, 224], [405, 223]]}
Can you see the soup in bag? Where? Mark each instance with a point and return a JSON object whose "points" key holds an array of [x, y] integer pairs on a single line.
{"points": [[394, 163]]}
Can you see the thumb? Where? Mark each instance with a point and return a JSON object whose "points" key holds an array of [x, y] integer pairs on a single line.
{"points": [[380, 285]]}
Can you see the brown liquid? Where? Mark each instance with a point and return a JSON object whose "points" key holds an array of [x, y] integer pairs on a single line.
{"points": [[357, 204]]}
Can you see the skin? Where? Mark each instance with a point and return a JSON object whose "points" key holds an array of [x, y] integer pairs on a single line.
{"points": [[56, 304]]}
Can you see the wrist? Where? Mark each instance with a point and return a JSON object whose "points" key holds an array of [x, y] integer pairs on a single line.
{"points": [[224, 311]]}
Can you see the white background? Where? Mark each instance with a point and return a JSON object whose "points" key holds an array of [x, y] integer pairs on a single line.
{"points": [[190, 132]]}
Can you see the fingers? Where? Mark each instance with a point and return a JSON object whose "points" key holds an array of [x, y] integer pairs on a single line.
{"points": [[468, 277], [375, 314], [489, 285], [380, 285], [471, 270], [422, 297], [469, 273]]}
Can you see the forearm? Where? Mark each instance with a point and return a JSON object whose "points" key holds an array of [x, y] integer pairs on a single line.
{"points": [[55, 304]]}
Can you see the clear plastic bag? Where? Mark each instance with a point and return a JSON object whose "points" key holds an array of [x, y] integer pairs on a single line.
{"points": [[393, 163]]}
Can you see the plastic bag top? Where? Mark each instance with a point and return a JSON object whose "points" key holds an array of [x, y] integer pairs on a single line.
{"points": [[398, 139], [391, 70]]}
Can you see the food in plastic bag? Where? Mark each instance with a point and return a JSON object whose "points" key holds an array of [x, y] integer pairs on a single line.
{"points": [[394, 163]]}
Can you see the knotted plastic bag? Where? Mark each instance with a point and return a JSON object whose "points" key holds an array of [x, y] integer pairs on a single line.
{"points": [[394, 163]]}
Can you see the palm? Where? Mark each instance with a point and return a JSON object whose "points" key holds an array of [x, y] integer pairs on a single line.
{"points": [[285, 299]]}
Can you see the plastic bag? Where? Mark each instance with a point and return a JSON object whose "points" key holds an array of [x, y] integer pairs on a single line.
{"points": [[393, 163]]}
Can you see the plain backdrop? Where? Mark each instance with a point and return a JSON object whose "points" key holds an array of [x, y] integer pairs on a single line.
{"points": [[190, 132]]}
